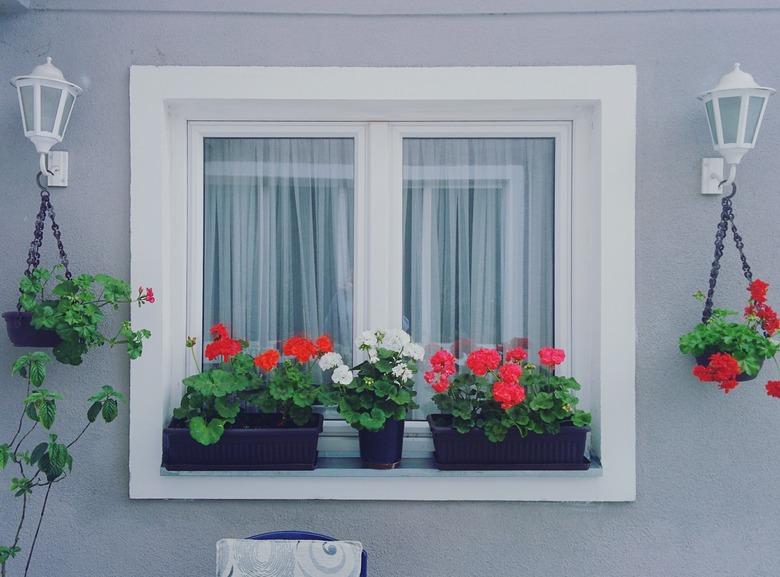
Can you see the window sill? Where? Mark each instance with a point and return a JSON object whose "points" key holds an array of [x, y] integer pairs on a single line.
{"points": [[350, 467]]}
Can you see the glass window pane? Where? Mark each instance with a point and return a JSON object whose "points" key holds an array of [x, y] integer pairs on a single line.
{"points": [[478, 244], [729, 117], [755, 103], [50, 101], [28, 103], [69, 99], [711, 119], [278, 238]]}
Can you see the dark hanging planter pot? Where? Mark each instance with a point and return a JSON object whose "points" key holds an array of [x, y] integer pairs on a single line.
{"points": [[21, 333], [704, 359], [255, 443], [382, 449], [456, 451]]}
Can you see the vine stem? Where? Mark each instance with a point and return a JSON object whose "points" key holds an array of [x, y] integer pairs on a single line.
{"points": [[21, 418], [37, 530], [74, 441]]}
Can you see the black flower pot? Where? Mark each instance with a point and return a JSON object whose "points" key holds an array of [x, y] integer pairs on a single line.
{"points": [[256, 442], [704, 359], [456, 451], [21, 333], [382, 449]]}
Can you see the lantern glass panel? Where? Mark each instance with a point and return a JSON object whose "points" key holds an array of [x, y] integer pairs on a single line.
{"points": [[69, 99], [755, 104], [729, 117], [28, 107], [711, 119], [50, 102]]}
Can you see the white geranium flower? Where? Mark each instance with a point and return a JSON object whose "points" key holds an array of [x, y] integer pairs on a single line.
{"points": [[342, 375], [413, 351], [366, 340], [373, 356], [402, 372], [330, 361], [395, 340]]}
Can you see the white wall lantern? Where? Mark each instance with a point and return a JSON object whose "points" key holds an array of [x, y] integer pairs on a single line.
{"points": [[46, 101], [735, 109]]}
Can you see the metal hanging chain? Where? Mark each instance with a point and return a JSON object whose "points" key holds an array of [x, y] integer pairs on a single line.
{"points": [[726, 221], [34, 253]]}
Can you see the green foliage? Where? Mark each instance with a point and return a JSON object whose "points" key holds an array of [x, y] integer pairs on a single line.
{"points": [[75, 311], [549, 403], [743, 342], [375, 395], [49, 461], [213, 399]]}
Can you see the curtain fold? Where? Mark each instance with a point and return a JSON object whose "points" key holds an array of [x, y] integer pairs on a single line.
{"points": [[478, 244], [278, 244]]}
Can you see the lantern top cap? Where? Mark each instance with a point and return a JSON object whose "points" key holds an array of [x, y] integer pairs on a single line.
{"points": [[47, 71], [737, 79]]}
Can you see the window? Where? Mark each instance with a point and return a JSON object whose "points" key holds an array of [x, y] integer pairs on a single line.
{"points": [[472, 211]]}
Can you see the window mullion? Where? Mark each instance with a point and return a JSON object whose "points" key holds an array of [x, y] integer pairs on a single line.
{"points": [[382, 302]]}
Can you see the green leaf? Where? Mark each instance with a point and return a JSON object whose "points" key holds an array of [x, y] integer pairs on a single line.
{"points": [[206, 433], [21, 486], [5, 455], [37, 371], [94, 411], [38, 452], [47, 411], [110, 410], [227, 409], [19, 366], [373, 421]]}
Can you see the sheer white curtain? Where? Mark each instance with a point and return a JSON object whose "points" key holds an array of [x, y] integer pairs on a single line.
{"points": [[478, 244], [278, 239]]}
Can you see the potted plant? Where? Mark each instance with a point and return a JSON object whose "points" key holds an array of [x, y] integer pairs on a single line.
{"points": [[248, 413], [729, 352], [376, 400], [506, 413], [69, 316], [38, 464]]}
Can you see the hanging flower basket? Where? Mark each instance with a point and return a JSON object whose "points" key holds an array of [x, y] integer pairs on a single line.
{"points": [[21, 333], [726, 351]]}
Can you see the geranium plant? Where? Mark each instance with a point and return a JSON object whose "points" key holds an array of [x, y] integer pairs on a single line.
{"points": [[75, 308], [379, 389], [497, 394], [729, 351], [213, 398], [36, 463]]}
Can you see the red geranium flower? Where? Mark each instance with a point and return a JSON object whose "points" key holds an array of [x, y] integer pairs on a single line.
{"points": [[722, 368], [267, 360], [443, 362], [758, 290], [301, 348], [516, 355], [324, 344], [219, 331], [773, 389], [482, 361], [149, 296], [510, 372], [441, 385], [729, 385], [551, 357], [508, 394], [227, 348]]}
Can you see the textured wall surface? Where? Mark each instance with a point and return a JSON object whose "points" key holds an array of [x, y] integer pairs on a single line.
{"points": [[707, 464]]}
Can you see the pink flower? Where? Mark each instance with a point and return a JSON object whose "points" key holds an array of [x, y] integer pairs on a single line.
{"points": [[551, 357], [482, 361]]}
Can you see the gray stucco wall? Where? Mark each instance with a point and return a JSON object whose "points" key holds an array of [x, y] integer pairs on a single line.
{"points": [[707, 464]]}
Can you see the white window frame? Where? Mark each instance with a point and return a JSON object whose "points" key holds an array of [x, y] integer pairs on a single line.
{"points": [[597, 103]]}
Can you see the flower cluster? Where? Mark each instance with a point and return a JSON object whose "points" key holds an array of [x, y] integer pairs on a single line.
{"points": [[299, 347], [722, 368], [499, 394], [145, 295], [221, 344], [442, 368], [758, 311]]}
